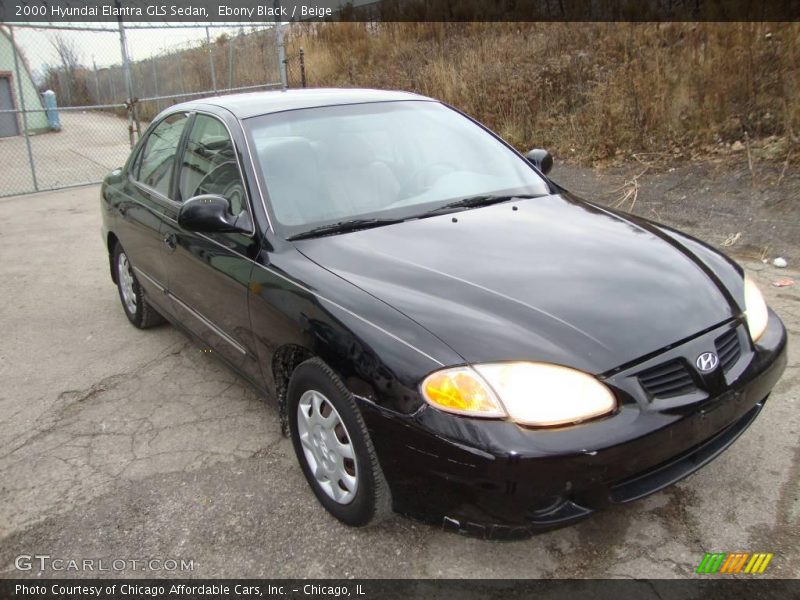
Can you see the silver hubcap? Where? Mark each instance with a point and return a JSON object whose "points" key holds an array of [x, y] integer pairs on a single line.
{"points": [[126, 283], [326, 445]]}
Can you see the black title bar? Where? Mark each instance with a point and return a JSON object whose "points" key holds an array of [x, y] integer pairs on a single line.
{"points": [[710, 588], [200, 11]]}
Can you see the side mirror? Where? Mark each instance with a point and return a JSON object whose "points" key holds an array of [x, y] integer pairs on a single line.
{"points": [[541, 159], [211, 213]]}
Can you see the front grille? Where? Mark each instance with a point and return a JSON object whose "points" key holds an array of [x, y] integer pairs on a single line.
{"points": [[728, 349], [668, 379]]}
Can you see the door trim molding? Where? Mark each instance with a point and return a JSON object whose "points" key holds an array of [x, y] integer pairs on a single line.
{"points": [[204, 320], [150, 279], [210, 324]]}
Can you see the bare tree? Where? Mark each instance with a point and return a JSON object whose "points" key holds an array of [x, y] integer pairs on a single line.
{"points": [[67, 52], [69, 77]]}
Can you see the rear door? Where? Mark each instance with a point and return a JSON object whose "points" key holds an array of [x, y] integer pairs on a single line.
{"points": [[209, 273], [147, 202]]}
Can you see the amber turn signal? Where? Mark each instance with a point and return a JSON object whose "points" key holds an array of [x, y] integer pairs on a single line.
{"points": [[461, 391]]}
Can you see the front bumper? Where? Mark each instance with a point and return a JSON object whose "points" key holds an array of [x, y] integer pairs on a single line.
{"points": [[496, 479]]}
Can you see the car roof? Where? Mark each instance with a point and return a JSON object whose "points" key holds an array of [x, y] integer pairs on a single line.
{"points": [[253, 104]]}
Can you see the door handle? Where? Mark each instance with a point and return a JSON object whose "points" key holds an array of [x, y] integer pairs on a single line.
{"points": [[169, 241]]}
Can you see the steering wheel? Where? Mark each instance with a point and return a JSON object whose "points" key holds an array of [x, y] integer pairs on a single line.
{"points": [[423, 178], [224, 180], [234, 192]]}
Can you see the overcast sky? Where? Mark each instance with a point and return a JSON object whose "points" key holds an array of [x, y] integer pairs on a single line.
{"points": [[103, 47]]}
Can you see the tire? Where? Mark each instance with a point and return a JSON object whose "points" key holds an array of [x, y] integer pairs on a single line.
{"points": [[134, 303], [359, 495]]}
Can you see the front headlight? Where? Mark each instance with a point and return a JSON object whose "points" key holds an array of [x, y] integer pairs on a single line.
{"points": [[535, 394], [755, 309]]}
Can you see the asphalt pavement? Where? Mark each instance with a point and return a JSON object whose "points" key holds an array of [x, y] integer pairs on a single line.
{"points": [[120, 444]]}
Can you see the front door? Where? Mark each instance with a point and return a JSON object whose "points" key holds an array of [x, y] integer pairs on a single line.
{"points": [[8, 120], [209, 273]]}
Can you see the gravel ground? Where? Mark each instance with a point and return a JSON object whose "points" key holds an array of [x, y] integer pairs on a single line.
{"points": [[119, 443], [713, 199]]}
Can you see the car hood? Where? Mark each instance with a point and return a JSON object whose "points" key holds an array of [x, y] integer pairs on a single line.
{"points": [[551, 279]]}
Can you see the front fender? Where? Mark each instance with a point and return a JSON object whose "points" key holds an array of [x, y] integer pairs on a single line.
{"points": [[379, 353]]}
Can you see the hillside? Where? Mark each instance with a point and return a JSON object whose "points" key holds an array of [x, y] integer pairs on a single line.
{"points": [[588, 91]]}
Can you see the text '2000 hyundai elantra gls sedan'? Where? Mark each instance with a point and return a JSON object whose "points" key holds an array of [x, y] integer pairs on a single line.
{"points": [[446, 331]]}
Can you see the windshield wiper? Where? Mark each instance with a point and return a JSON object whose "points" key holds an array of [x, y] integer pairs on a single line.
{"points": [[343, 227], [475, 201], [356, 224]]}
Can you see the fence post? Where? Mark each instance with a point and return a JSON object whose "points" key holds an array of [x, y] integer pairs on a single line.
{"points": [[155, 83], [302, 68], [23, 111], [230, 62], [180, 71], [126, 68], [211, 60], [96, 82], [112, 86], [279, 43], [62, 88]]}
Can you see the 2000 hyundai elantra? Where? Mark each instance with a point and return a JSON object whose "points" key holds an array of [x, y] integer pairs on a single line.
{"points": [[446, 331]]}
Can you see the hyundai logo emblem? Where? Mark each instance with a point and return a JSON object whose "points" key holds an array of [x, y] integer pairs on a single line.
{"points": [[707, 361]]}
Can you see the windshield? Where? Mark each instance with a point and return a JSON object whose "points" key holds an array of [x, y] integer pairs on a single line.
{"points": [[385, 160]]}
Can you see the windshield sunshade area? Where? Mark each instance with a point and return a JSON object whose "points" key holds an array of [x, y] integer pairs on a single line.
{"points": [[383, 160]]}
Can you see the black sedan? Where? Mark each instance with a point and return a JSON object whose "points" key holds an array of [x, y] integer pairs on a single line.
{"points": [[446, 332]]}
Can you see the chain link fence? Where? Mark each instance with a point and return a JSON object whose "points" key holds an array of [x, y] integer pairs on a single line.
{"points": [[74, 99], [296, 74]]}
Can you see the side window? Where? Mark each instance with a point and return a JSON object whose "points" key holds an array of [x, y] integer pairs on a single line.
{"points": [[209, 164], [154, 165]]}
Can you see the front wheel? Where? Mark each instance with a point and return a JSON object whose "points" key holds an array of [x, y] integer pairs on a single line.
{"points": [[136, 307], [334, 448]]}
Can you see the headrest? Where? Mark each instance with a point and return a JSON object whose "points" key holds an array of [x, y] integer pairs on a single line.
{"points": [[286, 156], [349, 150]]}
